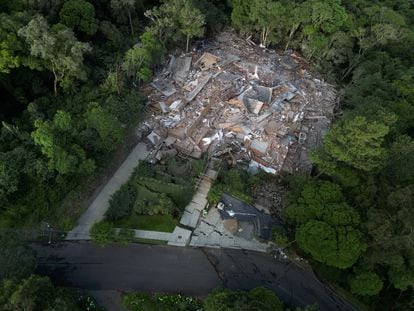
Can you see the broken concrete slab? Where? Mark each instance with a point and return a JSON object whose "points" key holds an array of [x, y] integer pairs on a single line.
{"points": [[176, 105], [190, 218], [179, 68], [259, 147], [254, 105], [201, 84], [154, 138], [179, 237], [164, 86]]}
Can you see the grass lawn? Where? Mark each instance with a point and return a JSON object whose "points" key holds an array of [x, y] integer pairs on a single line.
{"points": [[146, 222]]}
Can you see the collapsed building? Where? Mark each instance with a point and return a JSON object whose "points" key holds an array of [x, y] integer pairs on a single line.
{"points": [[233, 99]]}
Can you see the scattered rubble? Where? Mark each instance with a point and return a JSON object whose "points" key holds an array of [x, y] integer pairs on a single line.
{"points": [[253, 106]]}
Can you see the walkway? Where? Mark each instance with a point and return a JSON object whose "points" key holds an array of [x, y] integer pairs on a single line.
{"points": [[192, 212], [99, 206]]}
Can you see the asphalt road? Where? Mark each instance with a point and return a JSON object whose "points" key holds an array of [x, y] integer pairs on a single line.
{"points": [[189, 271]]}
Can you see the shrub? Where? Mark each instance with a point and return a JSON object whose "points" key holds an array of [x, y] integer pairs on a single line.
{"points": [[142, 301], [279, 237], [121, 203], [144, 169], [163, 205], [181, 195], [103, 233], [125, 236], [366, 283]]}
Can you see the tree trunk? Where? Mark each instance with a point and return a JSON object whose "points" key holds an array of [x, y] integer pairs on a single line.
{"points": [[188, 41], [291, 33], [130, 22], [55, 81]]}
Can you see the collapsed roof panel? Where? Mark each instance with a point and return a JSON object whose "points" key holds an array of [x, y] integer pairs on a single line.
{"points": [[179, 67], [245, 103]]}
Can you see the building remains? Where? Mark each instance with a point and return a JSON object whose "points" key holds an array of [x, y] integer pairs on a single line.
{"points": [[234, 100]]}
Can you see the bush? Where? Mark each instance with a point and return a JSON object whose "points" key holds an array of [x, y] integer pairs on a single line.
{"points": [[125, 236], [366, 283], [162, 205], [144, 169], [259, 298], [235, 182], [279, 237], [121, 203], [103, 233], [181, 195], [142, 301]]}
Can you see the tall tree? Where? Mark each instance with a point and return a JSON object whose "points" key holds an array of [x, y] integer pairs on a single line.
{"points": [[176, 20], [125, 6], [354, 143], [267, 16], [191, 22], [139, 60], [327, 227], [106, 124], [57, 141], [17, 260], [366, 283], [79, 15], [335, 246], [58, 48], [36, 293]]}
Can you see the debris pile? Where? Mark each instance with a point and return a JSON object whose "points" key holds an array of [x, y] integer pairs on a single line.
{"points": [[251, 106]]}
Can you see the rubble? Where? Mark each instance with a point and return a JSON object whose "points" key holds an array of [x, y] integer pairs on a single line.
{"points": [[236, 100]]}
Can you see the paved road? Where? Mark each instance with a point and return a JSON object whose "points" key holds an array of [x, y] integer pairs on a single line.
{"points": [[99, 206], [180, 270]]}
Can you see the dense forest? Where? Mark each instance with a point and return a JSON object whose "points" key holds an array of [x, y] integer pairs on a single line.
{"points": [[70, 73]]}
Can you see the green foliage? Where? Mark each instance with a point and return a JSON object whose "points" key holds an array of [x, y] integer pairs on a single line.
{"points": [[366, 283], [107, 126], [322, 201], [279, 237], [139, 60], [401, 160], [391, 236], [327, 227], [125, 236], [123, 10], [127, 107], [103, 233], [233, 181], [152, 203], [80, 15], [259, 298], [181, 195], [141, 301], [35, 293], [17, 260], [58, 49], [11, 46], [354, 142], [338, 247], [57, 141], [176, 21], [121, 203]]}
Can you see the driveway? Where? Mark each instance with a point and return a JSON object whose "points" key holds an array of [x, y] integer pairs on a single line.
{"points": [[188, 271], [100, 205]]}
